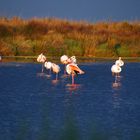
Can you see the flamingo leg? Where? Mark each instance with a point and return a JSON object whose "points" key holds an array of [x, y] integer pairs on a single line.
{"points": [[72, 79], [65, 70], [118, 74], [115, 79], [56, 76], [42, 67], [50, 72]]}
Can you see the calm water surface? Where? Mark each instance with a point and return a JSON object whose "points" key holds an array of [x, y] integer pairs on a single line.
{"points": [[33, 106]]}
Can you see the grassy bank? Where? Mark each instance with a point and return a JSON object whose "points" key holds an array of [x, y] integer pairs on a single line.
{"points": [[55, 37], [57, 59]]}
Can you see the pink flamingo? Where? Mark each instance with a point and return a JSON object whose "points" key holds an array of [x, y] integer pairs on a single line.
{"points": [[72, 69]]}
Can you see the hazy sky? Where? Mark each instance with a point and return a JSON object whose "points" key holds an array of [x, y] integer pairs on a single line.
{"points": [[91, 10]]}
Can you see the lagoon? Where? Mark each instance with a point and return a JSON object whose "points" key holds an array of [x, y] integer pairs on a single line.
{"points": [[34, 107]]}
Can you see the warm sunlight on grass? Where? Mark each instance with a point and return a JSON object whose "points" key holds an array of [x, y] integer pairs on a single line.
{"points": [[55, 37]]}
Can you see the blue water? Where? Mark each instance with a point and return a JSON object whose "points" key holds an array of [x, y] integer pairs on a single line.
{"points": [[34, 106]]}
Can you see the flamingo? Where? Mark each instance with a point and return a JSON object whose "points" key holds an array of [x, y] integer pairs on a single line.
{"points": [[116, 69], [119, 62], [48, 65], [56, 69], [72, 59], [41, 58], [72, 69], [64, 59]]}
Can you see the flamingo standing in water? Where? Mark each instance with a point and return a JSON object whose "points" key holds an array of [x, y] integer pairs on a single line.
{"points": [[65, 60], [72, 60], [55, 69], [41, 58], [73, 69], [48, 65], [116, 69], [119, 62]]}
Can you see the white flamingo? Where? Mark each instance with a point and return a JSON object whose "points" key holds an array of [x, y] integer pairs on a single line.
{"points": [[56, 70], [119, 62], [72, 69], [72, 59], [64, 59], [116, 69], [48, 66], [41, 58]]}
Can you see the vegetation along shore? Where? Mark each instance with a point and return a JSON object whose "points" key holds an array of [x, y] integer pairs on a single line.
{"points": [[55, 37]]}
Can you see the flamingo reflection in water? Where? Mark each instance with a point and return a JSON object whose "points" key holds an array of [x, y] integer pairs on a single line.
{"points": [[116, 83]]}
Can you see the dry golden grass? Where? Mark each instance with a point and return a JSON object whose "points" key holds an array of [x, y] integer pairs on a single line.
{"points": [[54, 36]]}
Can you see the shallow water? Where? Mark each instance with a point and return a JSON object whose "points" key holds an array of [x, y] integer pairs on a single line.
{"points": [[34, 106]]}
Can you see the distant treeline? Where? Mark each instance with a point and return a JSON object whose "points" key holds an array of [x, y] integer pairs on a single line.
{"points": [[55, 37]]}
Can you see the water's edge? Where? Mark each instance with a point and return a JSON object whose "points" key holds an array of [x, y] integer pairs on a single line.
{"points": [[57, 59]]}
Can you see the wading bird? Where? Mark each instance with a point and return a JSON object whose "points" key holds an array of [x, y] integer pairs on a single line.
{"points": [[72, 59], [72, 69], [41, 58], [56, 70], [48, 66], [116, 69], [65, 60], [119, 62]]}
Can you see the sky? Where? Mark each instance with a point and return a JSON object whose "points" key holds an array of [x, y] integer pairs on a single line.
{"points": [[83, 10]]}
